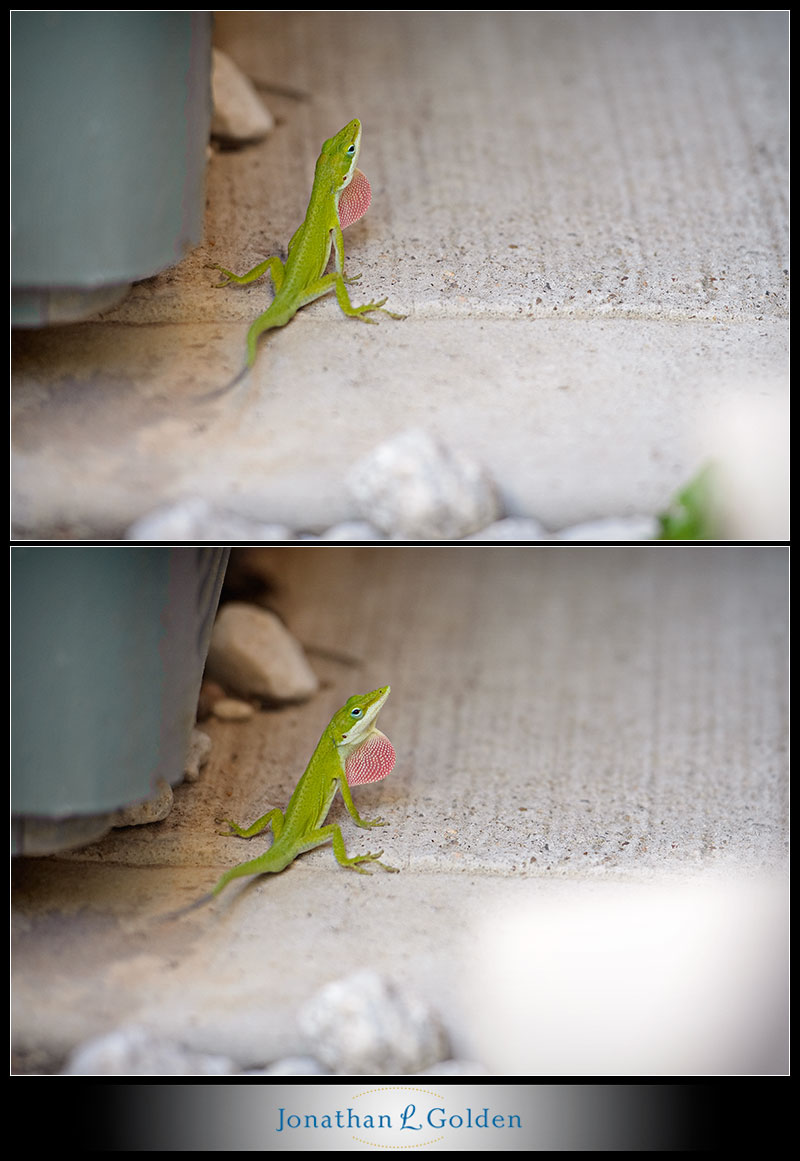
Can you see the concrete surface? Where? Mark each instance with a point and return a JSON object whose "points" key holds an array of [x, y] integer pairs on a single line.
{"points": [[584, 216], [565, 719]]}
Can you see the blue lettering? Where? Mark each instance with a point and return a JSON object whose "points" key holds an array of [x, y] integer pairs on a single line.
{"points": [[407, 1113]]}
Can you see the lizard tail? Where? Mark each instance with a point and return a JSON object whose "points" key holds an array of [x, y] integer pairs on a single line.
{"points": [[261, 324], [219, 391], [201, 902]]}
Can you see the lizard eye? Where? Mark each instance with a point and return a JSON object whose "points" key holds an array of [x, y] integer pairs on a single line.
{"points": [[356, 713], [351, 150]]}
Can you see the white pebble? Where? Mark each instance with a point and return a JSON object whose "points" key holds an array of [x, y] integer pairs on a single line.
{"points": [[512, 528], [231, 709], [196, 755], [612, 528], [194, 519], [352, 530], [290, 1066], [133, 1051]]}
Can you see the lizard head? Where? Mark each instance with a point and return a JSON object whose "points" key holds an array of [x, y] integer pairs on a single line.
{"points": [[341, 152], [366, 754], [356, 719], [336, 167]]}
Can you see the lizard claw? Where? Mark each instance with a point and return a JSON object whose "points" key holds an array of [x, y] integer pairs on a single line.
{"points": [[228, 276], [232, 828]]}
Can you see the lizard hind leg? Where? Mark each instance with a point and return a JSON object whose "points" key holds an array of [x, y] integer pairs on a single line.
{"points": [[352, 861], [266, 862], [343, 298]]}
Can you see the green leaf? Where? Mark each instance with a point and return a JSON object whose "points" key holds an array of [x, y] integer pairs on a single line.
{"points": [[691, 515]]}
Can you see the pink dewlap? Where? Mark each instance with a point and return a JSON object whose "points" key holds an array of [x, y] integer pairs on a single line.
{"points": [[354, 200], [370, 762]]}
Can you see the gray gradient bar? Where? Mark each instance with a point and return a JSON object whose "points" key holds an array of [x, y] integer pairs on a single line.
{"points": [[418, 1114]]}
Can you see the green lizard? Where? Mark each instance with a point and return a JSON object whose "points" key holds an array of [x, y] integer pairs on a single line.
{"points": [[340, 196], [350, 752]]}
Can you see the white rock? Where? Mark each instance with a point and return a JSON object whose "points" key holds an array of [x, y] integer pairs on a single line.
{"points": [[253, 653], [414, 487], [365, 1025], [613, 528], [133, 1051], [290, 1066], [352, 530], [239, 113], [512, 528], [456, 1068], [193, 519]]}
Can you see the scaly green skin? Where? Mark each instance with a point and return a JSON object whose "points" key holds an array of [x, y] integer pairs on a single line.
{"points": [[302, 279], [300, 828]]}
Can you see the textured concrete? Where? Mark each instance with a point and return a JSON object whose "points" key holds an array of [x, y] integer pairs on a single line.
{"points": [[564, 719], [583, 215]]}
